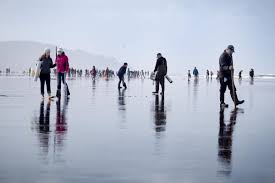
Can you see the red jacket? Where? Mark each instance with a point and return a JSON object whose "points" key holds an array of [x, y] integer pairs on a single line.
{"points": [[62, 63]]}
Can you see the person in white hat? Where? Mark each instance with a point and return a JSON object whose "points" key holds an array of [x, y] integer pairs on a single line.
{"points": [[45, 73]]}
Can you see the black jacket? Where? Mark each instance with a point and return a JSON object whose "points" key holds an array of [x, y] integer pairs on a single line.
{"points": [[121, 71], [161, 67], [46, 65], [225, 61]]}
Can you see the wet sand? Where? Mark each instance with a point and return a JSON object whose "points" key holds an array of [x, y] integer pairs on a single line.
{"points": [[103, 135]]}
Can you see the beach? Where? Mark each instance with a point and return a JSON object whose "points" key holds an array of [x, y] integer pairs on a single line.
{"points": [[102, 134]]}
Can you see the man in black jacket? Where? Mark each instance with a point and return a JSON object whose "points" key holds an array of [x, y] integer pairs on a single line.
{"points": [[161, 69], [120, 75], [226, 76]]}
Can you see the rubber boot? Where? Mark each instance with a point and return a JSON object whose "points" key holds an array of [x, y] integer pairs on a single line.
{"points": [[124, 84], [58, 93]]}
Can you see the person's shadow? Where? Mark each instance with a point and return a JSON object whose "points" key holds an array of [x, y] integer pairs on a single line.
{"points": [[225, 140], [160, 114]]}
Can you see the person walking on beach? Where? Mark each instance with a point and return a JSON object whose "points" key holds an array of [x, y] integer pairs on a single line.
{"points": [[251, 73], [93, 73], [240, 74], [207, 74], [161, 71], [188, 75], [45, 73], [120, 75], [62, 63], [195, 72], [226, 76]]}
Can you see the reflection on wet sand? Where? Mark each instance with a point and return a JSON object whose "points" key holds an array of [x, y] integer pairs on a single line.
{"points": [[160, 114], [93, 87], [61, 124], [240, 81], [195, 91], [121, 99], [225, 140], [251, 81], [122, 108], [43, 127]]}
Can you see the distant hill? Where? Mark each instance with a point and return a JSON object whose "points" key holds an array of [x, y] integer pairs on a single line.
{"points": [[20, 55]]}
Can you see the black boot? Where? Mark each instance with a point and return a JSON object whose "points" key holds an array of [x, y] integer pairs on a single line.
{"points": [[124, 84], [58, 93], [239, 102], [67, 90]]}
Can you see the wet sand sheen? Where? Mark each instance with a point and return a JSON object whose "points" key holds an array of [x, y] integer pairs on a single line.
{"points": [[105, 135]]}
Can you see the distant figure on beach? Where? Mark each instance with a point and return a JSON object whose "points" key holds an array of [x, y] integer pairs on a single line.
{"points": [[93, 73], [195, 72], [45, 72], [62, 63], [240, 74], [189, 75], [207, 74], [161, 71], [227, 77], [120, 75], [251, 73], [107, 72]]}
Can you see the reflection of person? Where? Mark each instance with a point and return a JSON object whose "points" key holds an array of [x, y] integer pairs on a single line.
{"points": [[43, 126], [161, 70], [61, 125], [226, 79], [121, 99], [160, 114], [225, 138], [61, 122]]}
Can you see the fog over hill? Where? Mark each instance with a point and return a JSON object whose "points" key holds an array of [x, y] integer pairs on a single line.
{"points": [[20, 55]]}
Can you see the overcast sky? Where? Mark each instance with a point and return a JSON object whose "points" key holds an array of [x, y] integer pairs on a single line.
{"points": [[188, 32]]}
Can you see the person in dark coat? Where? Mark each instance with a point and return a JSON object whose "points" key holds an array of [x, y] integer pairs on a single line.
{"points": [[120, 75], [45, 73], [251, 73], [161, 71], [196, 72], [225, 76]]}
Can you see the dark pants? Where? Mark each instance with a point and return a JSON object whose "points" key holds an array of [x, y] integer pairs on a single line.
{"points": [[228, 84], [62, 77], [160, 80], [45, 78], [121, 79]]}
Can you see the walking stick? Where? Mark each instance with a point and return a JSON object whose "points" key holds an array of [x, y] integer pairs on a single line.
{"points": [[233, 85]]}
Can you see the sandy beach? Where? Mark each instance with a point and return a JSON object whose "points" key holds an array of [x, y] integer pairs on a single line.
{"points": [[103, 135]]}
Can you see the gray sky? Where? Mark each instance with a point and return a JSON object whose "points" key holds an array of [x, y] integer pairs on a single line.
{"points": [[188, 32]]}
